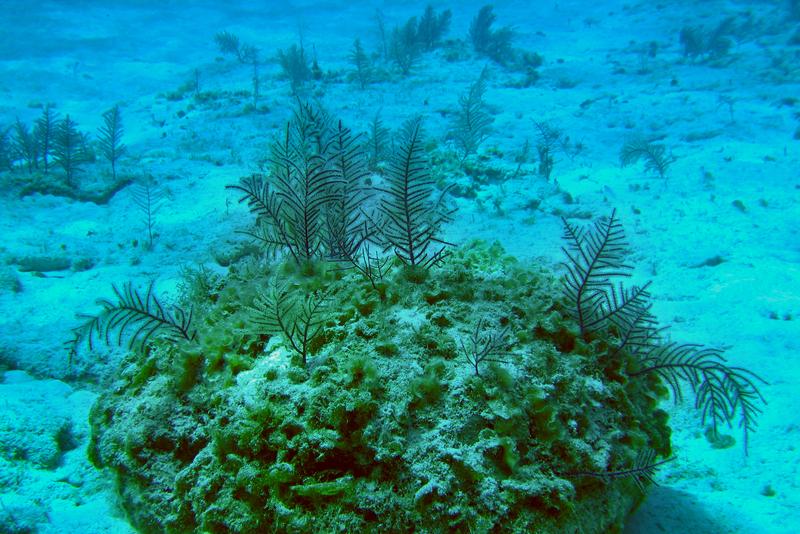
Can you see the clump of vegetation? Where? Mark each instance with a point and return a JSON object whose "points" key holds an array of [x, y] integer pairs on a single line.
{"points": [[70, 149], [432, 27], [229, 43], [472, 124], [30, 147], [58, 143], [295, 65], [298, 443], [404, 47], [558, 407], [654, 155], [497, 44], [45, 132], [360, 60], [291, 204], [110, 138], [600, 304], [416, 36], [26, 147], [340, 400], [300, 323], [312, 205], [494, 43], [411, 221], [698, 42]]}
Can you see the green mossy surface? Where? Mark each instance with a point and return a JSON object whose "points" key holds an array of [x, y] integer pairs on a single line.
{"points": [[387, 428]]}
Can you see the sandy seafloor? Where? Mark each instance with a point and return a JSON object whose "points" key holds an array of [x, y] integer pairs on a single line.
{"points": [[733, 192]]}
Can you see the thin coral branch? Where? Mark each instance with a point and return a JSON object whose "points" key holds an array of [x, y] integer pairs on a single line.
{"points": [[133, 319], [721, 391], [594, 257], [277, 311], [483, 346], [642, 472]]}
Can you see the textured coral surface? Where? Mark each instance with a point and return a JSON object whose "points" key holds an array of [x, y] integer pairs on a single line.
{"points": [[388, 427]]}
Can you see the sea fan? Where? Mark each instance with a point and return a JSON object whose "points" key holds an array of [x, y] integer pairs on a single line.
{"points": [[292, 205], [150, 198], [26, 147], [493, 43], [412, 220], [132, 320], [720, 391], [472, 123], [110, 138], [485, 346], [641, 472], [347, 227], [69, 149], [359, 59], [305, 185], [300, 323], [45, 131], [594, 258], [432, 27], [654, 155]]}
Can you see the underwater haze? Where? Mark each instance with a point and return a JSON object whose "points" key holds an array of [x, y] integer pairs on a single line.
{"points": [[400, 267]]}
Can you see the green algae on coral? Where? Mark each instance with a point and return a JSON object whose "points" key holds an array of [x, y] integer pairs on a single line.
{"points": [[387, 427]]}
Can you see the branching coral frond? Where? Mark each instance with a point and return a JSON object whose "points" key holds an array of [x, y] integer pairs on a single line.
{"points": [[720, 391], [655, 156], [304, 180], [347, 227], [483, 346], [299, 322], [305, 188], [472, 124], [412, 221], [69, 148], [377, 142], [642, 471], [312, 130], [292, 202], [133, 319], [263, 201], [594, 257], [640, 333], [110, 138], [494, 43], [619, 306]]}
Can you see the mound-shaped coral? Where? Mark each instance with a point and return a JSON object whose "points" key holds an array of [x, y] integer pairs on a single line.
{"points": [[390, 425]]}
